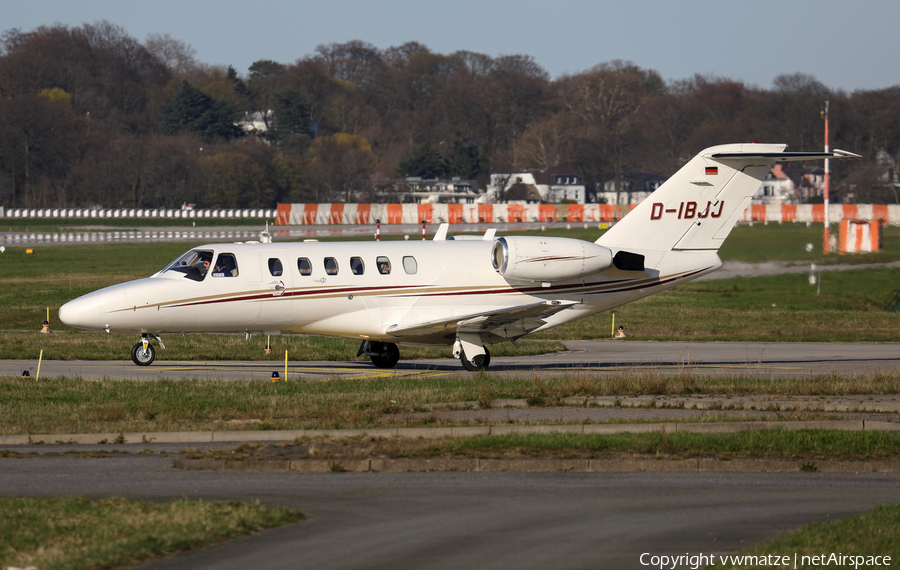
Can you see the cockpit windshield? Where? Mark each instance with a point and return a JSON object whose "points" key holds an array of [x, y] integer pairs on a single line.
{"points": [[193, 264]]}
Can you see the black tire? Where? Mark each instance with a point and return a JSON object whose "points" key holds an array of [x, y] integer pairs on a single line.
{"points": [[141, 357], [481, 362], [384, 354]]}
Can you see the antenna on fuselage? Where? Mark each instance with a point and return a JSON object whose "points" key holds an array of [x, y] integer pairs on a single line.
{"points": [[441, 234], [265, 236]]}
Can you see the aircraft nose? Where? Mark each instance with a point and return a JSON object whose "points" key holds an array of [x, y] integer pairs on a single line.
{"points": [[83, 312]]}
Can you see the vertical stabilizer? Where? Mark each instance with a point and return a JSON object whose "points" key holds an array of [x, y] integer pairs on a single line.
{"points": [[697, 207]]}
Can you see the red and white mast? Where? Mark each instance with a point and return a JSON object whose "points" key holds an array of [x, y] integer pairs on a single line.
{"points": [[826, 245]]}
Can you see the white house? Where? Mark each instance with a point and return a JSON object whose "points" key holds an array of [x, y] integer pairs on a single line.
{"points": [[635, 188], [415, 190], [790, 185], [553, 185]]}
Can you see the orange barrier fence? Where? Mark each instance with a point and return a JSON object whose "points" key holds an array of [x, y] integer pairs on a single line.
{"points": [[335, 214]]}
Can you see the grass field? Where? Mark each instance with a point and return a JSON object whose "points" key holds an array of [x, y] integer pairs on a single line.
{"points": [[75, 533], [803, 444], [759, 242], [876, 533], [770, 308], [73, 405]]}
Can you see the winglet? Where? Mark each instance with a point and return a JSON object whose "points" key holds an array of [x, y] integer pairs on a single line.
{"points": [[838, 153]]}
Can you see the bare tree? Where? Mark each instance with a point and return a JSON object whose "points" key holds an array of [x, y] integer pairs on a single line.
{"points": [[178, 56]]}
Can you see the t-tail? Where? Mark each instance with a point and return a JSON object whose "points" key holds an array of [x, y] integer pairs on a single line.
{"points": [[697, 208]]}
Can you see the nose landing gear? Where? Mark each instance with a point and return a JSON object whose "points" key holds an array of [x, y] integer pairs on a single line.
{"points": [[143, 353]]}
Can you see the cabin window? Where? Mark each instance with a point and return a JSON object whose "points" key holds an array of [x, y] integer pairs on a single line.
{"points": [[194, 264], [275, 267], [357, 266], [331, 266], [226, 266], [410, 265], [304, 266], [384, 265]]}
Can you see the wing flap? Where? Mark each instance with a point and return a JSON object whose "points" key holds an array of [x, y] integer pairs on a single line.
{"points": [[516, 321]]}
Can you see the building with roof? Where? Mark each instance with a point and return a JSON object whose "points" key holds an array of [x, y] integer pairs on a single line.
{"points": [[416, 190], [558, 184], [791, 185], [635, 187]]}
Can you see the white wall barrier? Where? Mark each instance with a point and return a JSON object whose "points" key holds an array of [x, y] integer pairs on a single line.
{"points": [[131, 213]]}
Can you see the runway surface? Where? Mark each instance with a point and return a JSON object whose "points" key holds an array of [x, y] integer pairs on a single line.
{"points": [[471, 520], [603, 358]]}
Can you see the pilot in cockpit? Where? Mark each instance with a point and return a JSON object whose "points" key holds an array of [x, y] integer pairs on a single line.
{"points": [[203, 264]]}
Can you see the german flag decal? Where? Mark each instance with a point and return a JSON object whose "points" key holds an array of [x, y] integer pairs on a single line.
{"points": [[712, 170]]}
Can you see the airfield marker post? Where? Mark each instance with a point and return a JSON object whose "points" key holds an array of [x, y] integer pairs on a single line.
{"points": [[826, 238], [285, 364], [40, 359], [45, 328], [613, 331]]}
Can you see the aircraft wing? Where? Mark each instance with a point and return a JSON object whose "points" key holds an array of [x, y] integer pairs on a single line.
{"points": [[508, 323]]}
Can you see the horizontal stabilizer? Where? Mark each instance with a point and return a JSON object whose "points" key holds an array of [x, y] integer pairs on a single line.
{"points": [[785, 156]]}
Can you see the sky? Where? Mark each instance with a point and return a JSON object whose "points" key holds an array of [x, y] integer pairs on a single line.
{"points": [[846, 46]]}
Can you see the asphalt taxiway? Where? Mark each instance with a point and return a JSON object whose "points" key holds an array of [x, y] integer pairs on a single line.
{"points": [[471, 520], [596, 358]]}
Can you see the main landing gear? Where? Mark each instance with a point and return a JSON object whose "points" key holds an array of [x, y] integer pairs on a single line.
{"points": [[383, 354], [143, 352], [478, 363], [472, 353]]}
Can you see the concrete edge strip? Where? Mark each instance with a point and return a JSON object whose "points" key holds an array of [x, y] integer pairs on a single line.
{"points": [[476, 465], [689, 403], [288, 435]]}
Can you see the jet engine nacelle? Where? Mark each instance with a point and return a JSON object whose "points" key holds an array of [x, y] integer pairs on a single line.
{"points": [[533, 258]]}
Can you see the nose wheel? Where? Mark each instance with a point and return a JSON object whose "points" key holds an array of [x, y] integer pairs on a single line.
{"points": [[143, 353]]}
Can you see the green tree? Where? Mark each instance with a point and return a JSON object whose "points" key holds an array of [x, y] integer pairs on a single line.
{"points": [[233, 180], [290, 128], [340, 166], [193, 111], [463, 160], [424, 161]]}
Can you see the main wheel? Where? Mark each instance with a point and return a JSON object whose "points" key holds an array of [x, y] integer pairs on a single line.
{"points": [[384, 354], [142, 357], [481, 362]]}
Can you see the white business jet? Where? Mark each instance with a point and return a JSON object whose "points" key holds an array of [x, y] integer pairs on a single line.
{"points": [[468, 292]]}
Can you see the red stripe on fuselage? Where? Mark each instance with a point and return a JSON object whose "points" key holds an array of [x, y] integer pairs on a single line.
{"points": [[589, 289]]}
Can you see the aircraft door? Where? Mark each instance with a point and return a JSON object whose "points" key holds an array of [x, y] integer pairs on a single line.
{"points": [[275, 303]]}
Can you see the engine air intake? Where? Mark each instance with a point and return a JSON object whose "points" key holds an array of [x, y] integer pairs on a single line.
{"points": [[533, 258]]}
